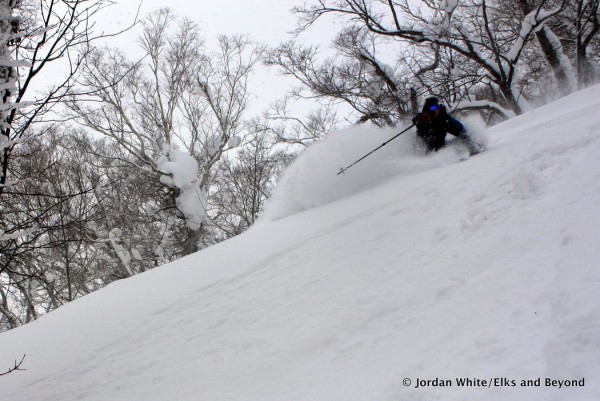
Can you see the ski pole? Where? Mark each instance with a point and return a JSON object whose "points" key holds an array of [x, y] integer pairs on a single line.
{"points": [[342, 170]]}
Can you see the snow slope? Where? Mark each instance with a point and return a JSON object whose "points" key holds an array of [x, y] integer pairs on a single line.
{"points": [[353, 285]]}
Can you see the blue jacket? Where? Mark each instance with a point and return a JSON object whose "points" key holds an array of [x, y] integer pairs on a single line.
{"points": [[432, 130]]}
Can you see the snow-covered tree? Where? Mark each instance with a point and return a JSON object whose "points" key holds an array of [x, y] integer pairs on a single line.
{"points": [[9, 35], [36, 34], [578, 28], [552, 49], [587, 23], [173, 113], [472, 28]]}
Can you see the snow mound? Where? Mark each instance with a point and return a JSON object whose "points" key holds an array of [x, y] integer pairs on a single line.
{"points": [[312, 179]]}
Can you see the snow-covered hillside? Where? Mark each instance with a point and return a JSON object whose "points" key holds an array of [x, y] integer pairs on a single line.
{"points": [[360, 287]]}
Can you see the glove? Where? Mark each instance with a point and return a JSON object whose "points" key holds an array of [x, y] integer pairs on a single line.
{"points": [[422, 118]]}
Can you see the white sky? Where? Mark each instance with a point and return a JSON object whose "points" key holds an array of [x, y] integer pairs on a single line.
{"points": [[266, 21]]}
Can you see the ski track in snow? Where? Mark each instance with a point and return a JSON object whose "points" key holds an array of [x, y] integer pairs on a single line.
{"points": [[405, 267]]}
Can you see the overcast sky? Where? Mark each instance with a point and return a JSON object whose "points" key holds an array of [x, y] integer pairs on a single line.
{"points": [[266, 21]]}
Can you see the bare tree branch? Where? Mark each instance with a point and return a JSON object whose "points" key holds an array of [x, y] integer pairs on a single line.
{"points": [[16, 367]]}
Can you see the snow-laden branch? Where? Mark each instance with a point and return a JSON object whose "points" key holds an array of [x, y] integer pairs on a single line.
{"points": [[181, 172], [473, 29], [530, 24], [15, 235], [482, 105]]}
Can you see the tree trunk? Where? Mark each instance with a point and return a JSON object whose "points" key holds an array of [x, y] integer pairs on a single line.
{"points": [[511, 98], [552, 50], [560, 64], [588, 26]]}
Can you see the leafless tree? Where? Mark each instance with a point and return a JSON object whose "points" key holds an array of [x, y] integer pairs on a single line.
{"points": [[470, 28], [34, 197], [37, 34], [295, 128], [177, 103], [245, 182], [578, 28], [355, 76], [44, 218]]}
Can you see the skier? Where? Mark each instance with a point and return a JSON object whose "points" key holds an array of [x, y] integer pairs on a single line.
{"points": [[434, 122]]}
